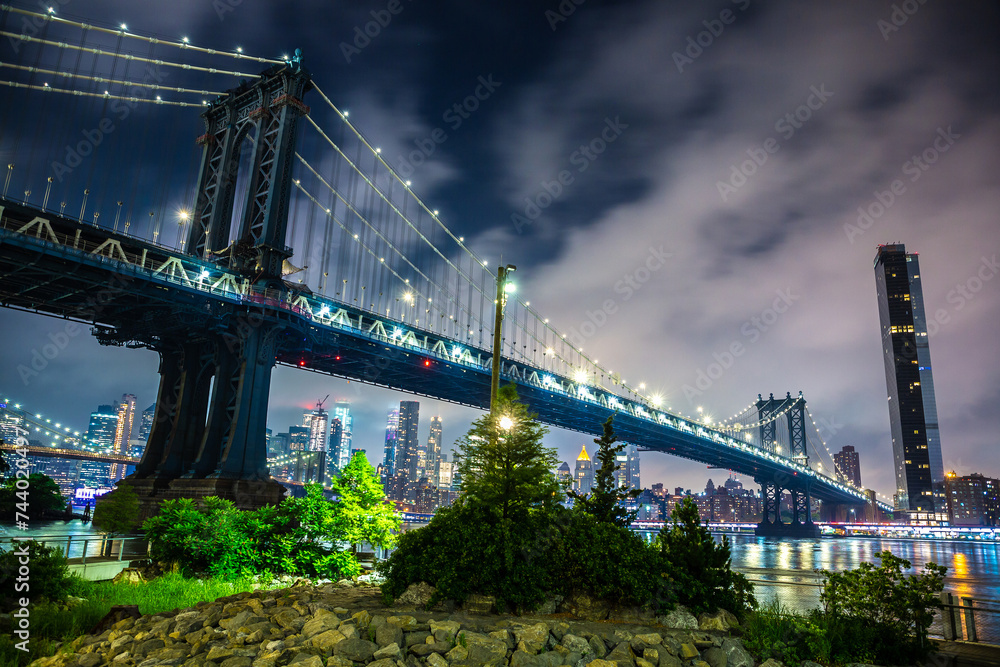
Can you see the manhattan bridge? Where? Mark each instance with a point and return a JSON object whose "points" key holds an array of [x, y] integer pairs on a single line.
{"points": [[299, 245]]}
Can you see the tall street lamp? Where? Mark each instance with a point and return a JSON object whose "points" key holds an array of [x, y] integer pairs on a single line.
{"points": [[503, 288]]}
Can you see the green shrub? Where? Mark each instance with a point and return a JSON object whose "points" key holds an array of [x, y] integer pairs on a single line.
{"points": [[700, 567], [48, 577], [299, 536], [467, 549], [897, 609]]}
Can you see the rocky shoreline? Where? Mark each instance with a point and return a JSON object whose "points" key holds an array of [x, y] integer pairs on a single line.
{"points": [[343, 625]]}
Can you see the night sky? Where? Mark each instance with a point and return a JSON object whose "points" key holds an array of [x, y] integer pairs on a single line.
{"points": [[703, 167]]}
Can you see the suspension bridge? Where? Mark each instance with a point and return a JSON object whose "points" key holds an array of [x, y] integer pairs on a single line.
{"points": [[309, 251]]}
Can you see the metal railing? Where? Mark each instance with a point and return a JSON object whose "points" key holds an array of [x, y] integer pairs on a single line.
{"points": [[79, 548]]}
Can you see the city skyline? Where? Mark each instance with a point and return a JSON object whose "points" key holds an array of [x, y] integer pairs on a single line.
{"points": [[693, 254]]}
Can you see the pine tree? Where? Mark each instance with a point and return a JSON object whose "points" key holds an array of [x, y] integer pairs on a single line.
{"points": [[507, 470], [363, 512], [604, 500]]}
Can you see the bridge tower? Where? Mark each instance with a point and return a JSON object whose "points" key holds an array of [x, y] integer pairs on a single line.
{"points": [[207, 438], [772, 488]]}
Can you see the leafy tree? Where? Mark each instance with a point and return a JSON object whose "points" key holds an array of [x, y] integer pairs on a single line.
{"points": [[604, 500], [899, 607], [363, 513], [507, 469], [119, 513], [4, 466], [50, 575], [700, 567], [42, 497]]}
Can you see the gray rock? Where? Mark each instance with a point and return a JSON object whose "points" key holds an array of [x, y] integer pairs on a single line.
{"points": [[522, 659], [356, 650], [597, 646], [715, 657], [584, 606], [418, 595], [418, 637], [736, 655], [622, 652], [576, 644], [390, 651], [424, 650], [679, 618], [389, 634], [444, 631]]}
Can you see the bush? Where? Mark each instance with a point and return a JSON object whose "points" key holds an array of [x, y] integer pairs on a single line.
{"points": [[298, 537], [118, 513], [897, 609], [700, 567], [49, 576], [468, 549]]}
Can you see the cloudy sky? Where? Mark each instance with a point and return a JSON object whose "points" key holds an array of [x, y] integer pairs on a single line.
{"points": [[738, 143]]}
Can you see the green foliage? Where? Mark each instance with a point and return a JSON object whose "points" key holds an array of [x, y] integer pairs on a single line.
{"points": [[363, 514], [48, 577], [900, 608], [508, 470], [604, 501], [41, 498], [468, 549], [873, 614], [215, 537], [119, 512], [605, 560], [700, 567]]}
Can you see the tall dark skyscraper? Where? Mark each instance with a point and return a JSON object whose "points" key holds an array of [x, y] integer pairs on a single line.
{"points": [[146, 422], [848, 465], [407, 442], [916, 443]]}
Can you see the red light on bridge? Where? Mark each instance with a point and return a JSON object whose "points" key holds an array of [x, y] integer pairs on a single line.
{"points": [[302, 363], [337, 358], [427, 362]]}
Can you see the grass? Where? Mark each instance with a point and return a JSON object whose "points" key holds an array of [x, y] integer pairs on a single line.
{"points": [[52, 624]]}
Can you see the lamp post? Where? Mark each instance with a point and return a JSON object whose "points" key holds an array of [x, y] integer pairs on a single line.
{"points": [[502, 288]]}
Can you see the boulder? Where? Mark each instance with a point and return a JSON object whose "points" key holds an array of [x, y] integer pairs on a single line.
{"points": [[597, 646], [356, 650], [389, 651], [434, 660], [577, 644], [533, 635], [720, 621], [389, 634], [678, 618], [419, 595], [444, 631], [715, 657], [642, 662], [736, 655], [325, 641], [688, 652], [405, 623]]}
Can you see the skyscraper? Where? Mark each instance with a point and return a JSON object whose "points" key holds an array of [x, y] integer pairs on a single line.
{"points": [[916, 443], [146, 422], [584, 473], [434, 449], [298, 438], [103, 424], [391, 437], [848, 465], [340, 448], [317, 420], [407, 440], [123, 433]]}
